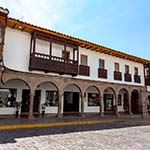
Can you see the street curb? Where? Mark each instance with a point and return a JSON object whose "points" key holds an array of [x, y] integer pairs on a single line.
{"points": [[56, 124]]}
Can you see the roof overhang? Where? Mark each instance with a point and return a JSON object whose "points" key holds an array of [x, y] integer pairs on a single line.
{"points": [[23, 26]]}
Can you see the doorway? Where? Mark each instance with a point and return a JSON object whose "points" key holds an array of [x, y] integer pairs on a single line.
{"points": [[71, 102], [36, 104], [135, 102], [26, 102], [108, 102]]}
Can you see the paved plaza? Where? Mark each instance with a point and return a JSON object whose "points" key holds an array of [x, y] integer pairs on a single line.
{"points": [[129, 138]]}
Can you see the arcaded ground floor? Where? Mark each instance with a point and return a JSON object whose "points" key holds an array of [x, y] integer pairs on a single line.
{"points": [[32, 95]]}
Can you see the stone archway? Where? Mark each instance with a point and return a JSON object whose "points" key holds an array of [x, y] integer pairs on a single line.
{"points": [[92, 99], [135, 106], [123, 101], [46, 96], [15, 98], [109, 97], [71, 99]]}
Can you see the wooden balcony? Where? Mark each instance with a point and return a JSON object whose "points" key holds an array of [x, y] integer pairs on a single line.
{"points": [[46, 63], [102, 73], [84, 70], [147, 80], [137, 79], [117, 75], [127, 77]]}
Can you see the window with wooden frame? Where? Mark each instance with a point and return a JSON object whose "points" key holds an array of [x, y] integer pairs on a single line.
{"points": [[127, 69], [136, 72], [66, 55], [117, 67], [84, 60], [101, 63]]}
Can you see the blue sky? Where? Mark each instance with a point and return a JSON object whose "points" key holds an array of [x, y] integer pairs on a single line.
{"points": [[119, 24]]}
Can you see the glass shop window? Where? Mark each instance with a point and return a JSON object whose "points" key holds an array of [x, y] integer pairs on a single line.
{"points": [[8, 97], [51, 98], [93, 99]]}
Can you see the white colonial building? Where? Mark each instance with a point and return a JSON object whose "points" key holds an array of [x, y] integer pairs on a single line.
{"points": [[46, 70]]}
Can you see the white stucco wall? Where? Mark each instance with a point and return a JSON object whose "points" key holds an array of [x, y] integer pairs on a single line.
{"points": [[17, 49], [93, 62], [16, 56]]}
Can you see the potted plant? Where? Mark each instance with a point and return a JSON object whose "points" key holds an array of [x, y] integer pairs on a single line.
{"points": [[43, 109], [18, 107]]}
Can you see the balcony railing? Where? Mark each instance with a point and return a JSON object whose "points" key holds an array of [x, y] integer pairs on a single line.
{"points": [[102, 73], [46, 63], [127, 77], [147, 80], [84, 70], [137, 78], [117, 75]]}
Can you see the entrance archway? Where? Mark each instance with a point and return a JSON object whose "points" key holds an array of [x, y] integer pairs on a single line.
{"points": [[71, 99], [12, 95], [92, 102], [46, 95], [135, 102], [109, 99], [123, 101]]}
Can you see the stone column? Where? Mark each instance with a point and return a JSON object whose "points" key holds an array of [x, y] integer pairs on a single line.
{"points": [[101, 107], [144, 104], [30, 116], [116, 104], [82, 105], [59, 113], [129, 101]]}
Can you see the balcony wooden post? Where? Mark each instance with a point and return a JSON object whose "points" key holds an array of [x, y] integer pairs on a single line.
{"points": [[74, 53], [34, 44], [50, 49], [78, 59], [78, 55], [31, 41]]}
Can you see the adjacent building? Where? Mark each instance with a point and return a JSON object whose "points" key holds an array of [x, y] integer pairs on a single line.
{"points": [[41, 69]]}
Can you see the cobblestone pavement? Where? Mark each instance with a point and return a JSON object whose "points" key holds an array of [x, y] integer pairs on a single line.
{"points": [[95, 137]]}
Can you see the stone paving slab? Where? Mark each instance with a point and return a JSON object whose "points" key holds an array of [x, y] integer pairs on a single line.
{"points": [[132, 138]]}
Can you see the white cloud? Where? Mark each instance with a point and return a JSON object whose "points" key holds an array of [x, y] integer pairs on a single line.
{"points": [[45, 13]]}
